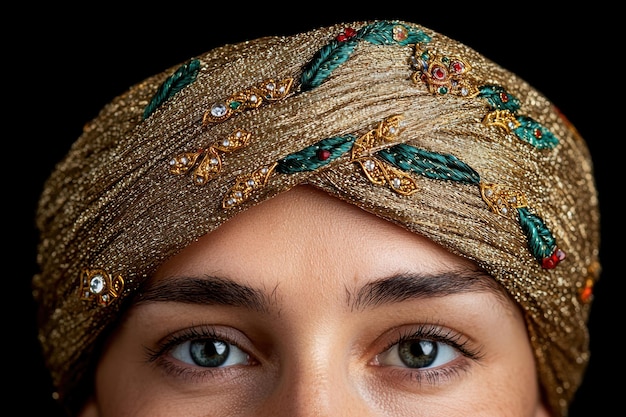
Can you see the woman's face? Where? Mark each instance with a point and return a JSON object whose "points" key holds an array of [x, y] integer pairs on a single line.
{"points": [[308, 306]]}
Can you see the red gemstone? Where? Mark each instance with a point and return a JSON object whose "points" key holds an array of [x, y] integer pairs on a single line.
{"points": [[548, 263], [553, 260], [457, 67], [538, 133], [438, 73], [504, 97], [346, 34], [323, 154]]}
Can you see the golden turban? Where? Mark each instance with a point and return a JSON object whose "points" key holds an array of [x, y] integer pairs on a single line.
{"points": [[395, 118]]}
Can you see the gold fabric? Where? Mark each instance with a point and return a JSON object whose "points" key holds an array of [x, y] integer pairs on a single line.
{"points": [[156, 169]]}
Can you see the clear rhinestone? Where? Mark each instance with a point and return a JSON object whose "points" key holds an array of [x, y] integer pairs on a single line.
{"points": [[218, 109], [96, 285]]}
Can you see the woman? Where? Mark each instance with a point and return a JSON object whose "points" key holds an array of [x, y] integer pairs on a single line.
{"points": [[367, 218]]}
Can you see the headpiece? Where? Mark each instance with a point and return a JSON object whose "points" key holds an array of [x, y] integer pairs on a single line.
{"points": [[395, 118]]}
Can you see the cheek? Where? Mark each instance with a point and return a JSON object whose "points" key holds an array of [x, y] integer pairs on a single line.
{"points": [[119, 387], [127, 385], [486, 392]]}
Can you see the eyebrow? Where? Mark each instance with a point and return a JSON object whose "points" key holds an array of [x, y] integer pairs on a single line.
{"points": [[210, 290], [213, 290], [412, 286]]}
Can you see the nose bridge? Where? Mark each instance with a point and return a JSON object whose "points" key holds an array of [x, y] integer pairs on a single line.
{"points": [[315, 380], [314, 389]]}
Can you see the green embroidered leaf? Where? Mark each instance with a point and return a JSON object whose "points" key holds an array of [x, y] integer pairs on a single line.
{"points": [[336, 52], [499, 99], [325, 61], [540, 240], [429, 164], [535, 133], [530, 131], [316, 155], [382, 33], [184, 75]]}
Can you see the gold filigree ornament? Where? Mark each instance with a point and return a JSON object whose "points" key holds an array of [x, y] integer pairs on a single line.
{"points": [[251, 98], [503, 119], [377, 171], [443, 74], [211, 162], [502, 199], [99, 285], [245, 185]]}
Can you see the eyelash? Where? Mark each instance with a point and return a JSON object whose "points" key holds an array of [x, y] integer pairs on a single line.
{"points": [[437, 334], [159, 356], [426, 332]]}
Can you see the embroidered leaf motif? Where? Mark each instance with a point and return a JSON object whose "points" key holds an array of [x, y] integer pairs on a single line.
{"points": [[208, 168], [315, 156], [246, 184], [535, 133], [499, 99], [503, 119], [429, 164], [387, 33], [251, 98], [183, 76], [211, 163], [524, 127], [380, 173], [540, 241], [502, 199], [338, 50]]}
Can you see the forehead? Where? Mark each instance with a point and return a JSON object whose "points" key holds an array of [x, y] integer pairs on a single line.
{"points": [[305, 230]]}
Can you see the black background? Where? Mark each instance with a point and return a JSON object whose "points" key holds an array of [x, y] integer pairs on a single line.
{"points": [[61, 65]]}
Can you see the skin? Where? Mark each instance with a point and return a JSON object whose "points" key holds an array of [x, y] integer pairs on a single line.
{"points": [[316, 294]]}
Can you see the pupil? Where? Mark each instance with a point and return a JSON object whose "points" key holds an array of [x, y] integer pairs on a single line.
{"points": [[417, 354], [209, 353]]}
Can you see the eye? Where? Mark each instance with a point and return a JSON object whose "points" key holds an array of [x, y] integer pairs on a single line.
{"points": [[204, 353], [204, 347], [418, 353], [209, 353]]}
